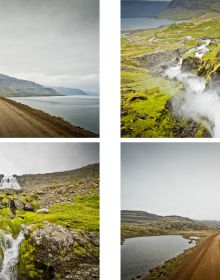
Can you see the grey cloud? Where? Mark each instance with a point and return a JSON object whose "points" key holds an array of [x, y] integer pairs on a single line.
{"points": [[172, 179], [52, 42], [26, 158]]}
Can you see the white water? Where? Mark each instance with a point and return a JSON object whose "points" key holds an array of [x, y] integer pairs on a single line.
{"points": [[10, 248], [199, 103], [9, 182]]}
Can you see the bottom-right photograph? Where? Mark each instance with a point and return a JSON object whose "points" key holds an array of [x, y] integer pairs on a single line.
{"points": [[170, 211]]}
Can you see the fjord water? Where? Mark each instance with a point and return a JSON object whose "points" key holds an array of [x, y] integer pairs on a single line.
{"points": [[81, 111], [140, 254], [142, 14]]}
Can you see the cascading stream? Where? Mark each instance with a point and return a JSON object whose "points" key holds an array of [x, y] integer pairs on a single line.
{"points": [[10, 248], [199, 103], [9, 182]]}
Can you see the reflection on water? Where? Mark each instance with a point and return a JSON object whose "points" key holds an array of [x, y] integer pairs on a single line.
{"points": [[143, 23], [82, 111], [140, 254]]}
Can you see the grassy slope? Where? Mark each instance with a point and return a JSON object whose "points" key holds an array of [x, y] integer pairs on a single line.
{"points": [[144, 95], [74, 204]]}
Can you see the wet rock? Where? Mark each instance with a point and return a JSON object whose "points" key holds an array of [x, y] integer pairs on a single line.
{"points": [[26, 230], [191, 64], [158, 61]]}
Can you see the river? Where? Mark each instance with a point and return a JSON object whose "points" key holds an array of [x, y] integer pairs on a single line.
{"points": [[82, 111], [140, 254], [199, 102]]}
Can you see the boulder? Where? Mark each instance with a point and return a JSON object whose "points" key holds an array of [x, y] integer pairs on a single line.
{"points": [[42, 211], [69, 254], [28, 206], [18, 204]]}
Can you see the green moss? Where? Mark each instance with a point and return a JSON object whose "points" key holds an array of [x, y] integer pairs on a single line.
{"points": [[26, 262], [83, 214], [144, 95]]}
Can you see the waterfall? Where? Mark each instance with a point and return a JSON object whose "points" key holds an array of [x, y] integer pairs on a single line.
{"points": [[10, 248], [9, 182], [198, 103]]}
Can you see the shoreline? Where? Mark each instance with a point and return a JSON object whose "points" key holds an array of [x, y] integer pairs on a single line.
{"points": [[166, 269], [37, 123]]}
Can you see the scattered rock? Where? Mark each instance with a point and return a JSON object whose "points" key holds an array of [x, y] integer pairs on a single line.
{"points": [[42, 211], [28, 207], [71, 255]]}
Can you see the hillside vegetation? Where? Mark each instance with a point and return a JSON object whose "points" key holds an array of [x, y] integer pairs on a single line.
{"points": [[138, 223], [58, 214], [146, 95]]}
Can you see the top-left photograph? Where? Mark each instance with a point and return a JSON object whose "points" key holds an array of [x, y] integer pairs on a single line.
{"points": [[49, 68]]}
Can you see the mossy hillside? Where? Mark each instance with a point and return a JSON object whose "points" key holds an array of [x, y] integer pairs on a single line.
{"points": [[80, 215], [157, 120], [83, 214]]}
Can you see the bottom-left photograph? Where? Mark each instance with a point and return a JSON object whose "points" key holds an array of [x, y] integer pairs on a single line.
{"points": [[49, 211]]}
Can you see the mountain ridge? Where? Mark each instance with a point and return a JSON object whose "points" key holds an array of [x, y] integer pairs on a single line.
{"points": [[14, 87], [70, 91], [185, 9], [132, 216]]}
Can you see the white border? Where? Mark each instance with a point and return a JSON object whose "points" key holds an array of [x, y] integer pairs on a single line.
{"points": [[110, 138]]}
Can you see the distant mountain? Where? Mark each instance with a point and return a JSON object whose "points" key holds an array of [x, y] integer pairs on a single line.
{"points": [[141, 217], [140, 223], [190, 8], [35, 180], [194, 4], [10, 86], [70, 91]]}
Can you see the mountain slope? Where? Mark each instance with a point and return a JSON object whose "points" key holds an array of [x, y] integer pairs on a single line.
{"points": [[70, 91], [29, 181], [139, 223], [141, 217], [190, 8], [10, 86]]}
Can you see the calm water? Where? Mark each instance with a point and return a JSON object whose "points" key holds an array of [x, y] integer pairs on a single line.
{"points": [[143, 23], [82, 111], [140, 9], [142, 15], [140, 254]]}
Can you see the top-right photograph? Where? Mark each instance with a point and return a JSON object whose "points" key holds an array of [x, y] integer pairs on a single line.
{"points": [[170, 69]]}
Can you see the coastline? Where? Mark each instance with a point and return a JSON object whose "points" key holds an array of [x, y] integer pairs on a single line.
{"points": [[36, 123]]}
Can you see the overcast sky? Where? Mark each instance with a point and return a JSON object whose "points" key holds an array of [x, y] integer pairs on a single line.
{"points": [[31, 158], [172, 179], [51, 42]]}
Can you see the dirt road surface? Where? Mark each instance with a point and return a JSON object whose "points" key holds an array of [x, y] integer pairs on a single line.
{"points": [[18, 120], [203, 264]]}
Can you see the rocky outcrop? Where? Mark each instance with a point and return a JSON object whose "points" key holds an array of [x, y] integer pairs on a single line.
{"points": [[158, 61], [62, 253]]}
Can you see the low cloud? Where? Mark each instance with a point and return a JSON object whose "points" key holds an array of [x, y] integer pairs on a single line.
{"points": [[52, 42]]}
